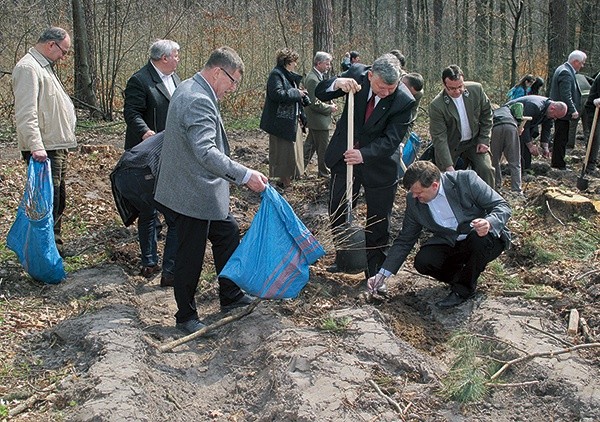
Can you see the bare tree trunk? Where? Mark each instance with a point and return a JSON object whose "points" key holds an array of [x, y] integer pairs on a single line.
{"points": [[84, 83], [322, 26], [438, 15], [590, 10], [558, 28], [481, 32], [516, 12], [411, 34]]}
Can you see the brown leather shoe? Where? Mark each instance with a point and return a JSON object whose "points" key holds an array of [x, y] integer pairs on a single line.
{"points": [[167, 280], [148, 272]]}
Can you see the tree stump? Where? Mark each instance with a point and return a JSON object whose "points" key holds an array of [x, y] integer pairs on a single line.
{"points": [[567, 205]]}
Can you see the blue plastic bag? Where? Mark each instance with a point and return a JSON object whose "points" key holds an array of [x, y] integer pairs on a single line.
{"points": [[273, 257], [31, 236], [410, 151]]}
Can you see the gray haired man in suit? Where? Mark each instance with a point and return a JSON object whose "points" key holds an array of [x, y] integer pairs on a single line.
{"points": [[149, 91], [467, 219], [318, 114], [564, 87], [193, 182]]}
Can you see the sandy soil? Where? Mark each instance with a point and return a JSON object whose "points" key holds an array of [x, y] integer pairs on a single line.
{"points": [[278, 363]]}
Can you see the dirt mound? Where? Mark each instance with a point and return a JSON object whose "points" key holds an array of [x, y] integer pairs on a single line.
{"points": [[328, 355]]}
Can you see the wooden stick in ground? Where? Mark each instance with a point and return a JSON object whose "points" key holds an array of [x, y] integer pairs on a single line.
{"points": [[542, 354], [350, 145], [223, 321]]}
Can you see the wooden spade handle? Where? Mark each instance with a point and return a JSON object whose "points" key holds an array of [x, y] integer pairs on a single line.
{"points": [[350, 145]]}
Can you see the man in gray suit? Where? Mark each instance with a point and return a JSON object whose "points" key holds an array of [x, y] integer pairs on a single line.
{"points": [[193, 182], [318, 114], [467, 219], [564, 87]]}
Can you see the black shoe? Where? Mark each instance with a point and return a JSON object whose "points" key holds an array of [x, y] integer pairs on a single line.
{"points": [[149, 272], [241, 302], [334, 269], [190, 326], [167, 280], [453, 299]]}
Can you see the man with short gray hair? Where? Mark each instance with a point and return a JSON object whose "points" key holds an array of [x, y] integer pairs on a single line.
{"points": [[382, 114], [318, 114], [564, 87], [39, 93], [148, 93], [193, 183]]}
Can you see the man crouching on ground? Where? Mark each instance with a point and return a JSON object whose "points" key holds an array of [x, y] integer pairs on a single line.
{"points": [[467, 219]]}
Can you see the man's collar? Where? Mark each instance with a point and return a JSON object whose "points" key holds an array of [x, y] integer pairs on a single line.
{"points": [[161, 74], [209, 85], [42, 60]]}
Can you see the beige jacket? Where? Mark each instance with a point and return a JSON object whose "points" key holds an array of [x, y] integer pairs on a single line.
{"points": [[44, 113]]}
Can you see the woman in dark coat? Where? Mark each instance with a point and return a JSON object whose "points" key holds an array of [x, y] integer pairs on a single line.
{"points": [[282, 119]]}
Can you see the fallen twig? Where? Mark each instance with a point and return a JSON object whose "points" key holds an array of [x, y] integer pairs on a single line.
{"points": [[566, 343], [223, 321], [498, 340], [569, 224], [542, 354], [511, 385], [582, 276], [31, 400], [552, 214], [390, 400]]}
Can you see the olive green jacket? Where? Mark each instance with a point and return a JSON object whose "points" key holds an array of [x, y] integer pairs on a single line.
{"points": [[444, 123]]}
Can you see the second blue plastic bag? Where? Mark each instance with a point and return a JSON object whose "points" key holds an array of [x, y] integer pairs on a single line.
{"points": [[31, 236], [273, 257]]}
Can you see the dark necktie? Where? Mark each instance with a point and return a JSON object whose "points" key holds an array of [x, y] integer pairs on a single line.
{"points": [[370, 107]]}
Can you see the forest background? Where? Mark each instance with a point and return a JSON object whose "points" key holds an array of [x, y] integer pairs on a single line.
{"points": [[493, 41]]}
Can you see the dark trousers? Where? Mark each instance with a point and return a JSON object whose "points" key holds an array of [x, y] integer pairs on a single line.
{"points": [[459, 265], [192, 234], [559, 143], [58, 167], [137, 185], [379, 210], [316, 141], [587, 120]]}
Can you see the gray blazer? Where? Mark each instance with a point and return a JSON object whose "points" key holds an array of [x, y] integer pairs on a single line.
{"points": [[469, 197], [195, 168], [564, 87]]}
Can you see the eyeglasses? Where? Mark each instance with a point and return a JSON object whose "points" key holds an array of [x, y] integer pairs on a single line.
{"points": [[234, 81], [65, 52]]}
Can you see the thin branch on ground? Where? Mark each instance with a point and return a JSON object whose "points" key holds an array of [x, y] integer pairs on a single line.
{"points": [[508, 343], [511, 385], [390, 400], [566, 343], [569, 224], [40, 395], [551, 353], [582, 276], [223, 321]]}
